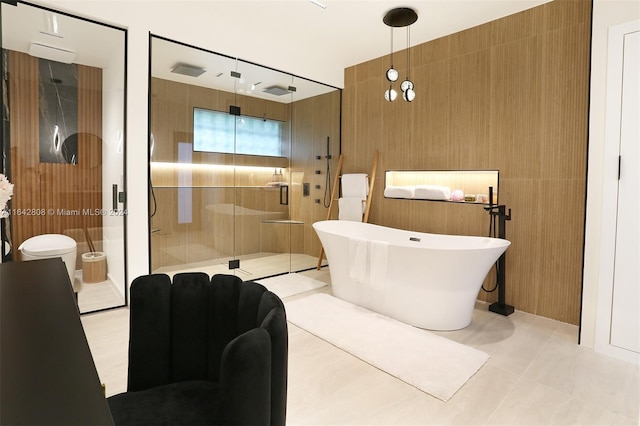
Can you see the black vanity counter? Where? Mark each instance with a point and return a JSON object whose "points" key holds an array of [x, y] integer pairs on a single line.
{"points": [[47, 373]]}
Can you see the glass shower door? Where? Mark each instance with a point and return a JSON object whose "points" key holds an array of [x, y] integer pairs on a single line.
{"points": [[262, 164], [233, 163]]}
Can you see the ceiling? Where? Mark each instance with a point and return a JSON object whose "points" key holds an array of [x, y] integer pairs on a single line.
{"points": [[296, 36], [304, 39]]}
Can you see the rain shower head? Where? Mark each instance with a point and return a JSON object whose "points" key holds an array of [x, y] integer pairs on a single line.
{"points": [[276, 90], [188, 70]]}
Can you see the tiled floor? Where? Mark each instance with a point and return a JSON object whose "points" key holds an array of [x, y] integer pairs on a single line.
{"points": [[96, 296], [537, 375], [252, 267]]}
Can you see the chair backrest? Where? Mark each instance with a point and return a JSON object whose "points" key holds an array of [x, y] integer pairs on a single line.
{"points": [[178, 331]]}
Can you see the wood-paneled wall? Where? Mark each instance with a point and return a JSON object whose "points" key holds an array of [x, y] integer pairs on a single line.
{"points": [[510, 95], [53, 195], [314, 120]]}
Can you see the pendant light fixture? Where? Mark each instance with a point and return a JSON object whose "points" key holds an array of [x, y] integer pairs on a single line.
{"points": [[397, 18]]}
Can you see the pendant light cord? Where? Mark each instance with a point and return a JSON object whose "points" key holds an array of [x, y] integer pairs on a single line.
{"points": [[391, 29], [408, 47]]}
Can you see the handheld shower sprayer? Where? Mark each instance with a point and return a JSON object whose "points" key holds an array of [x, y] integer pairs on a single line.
{"points": [[328, 156]]}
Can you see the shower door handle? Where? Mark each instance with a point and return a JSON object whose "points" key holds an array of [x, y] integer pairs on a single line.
{"points": [[116, 197], [284, 195]]}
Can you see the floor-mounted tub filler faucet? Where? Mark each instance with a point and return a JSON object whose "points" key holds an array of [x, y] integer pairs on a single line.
{"points": [[499, 211]]}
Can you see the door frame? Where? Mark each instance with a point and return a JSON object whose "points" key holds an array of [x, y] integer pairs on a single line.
{"points": [[613, 114]]}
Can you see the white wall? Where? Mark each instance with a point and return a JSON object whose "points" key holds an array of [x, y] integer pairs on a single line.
{"points": [[606, 13]]}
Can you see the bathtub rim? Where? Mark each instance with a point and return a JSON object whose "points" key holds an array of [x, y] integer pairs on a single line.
{"points": [[494, 242]]}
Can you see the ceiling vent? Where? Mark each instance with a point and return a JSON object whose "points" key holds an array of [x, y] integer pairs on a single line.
{"points": [[188, 70], [276, 90], [52, 53]]}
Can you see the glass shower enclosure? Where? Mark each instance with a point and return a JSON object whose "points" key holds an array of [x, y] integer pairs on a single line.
{"points": [[239, 160], [63, 144]]}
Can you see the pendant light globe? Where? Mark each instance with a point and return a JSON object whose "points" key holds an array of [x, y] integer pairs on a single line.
{"points": [[409, 95], [406, 85], [390, 95], [392, 74]]}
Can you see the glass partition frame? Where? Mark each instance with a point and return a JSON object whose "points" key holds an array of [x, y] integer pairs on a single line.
{"points": [[77, 187], [247, 213]]}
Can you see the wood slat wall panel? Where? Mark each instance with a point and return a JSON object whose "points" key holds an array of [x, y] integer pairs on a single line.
{"points": [[89, 173], [59, 187], [510, 95], [24, 133], [313, 120], [470, 98]]}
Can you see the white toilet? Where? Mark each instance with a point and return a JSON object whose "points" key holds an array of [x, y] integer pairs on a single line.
{"points": [[47, 246]]}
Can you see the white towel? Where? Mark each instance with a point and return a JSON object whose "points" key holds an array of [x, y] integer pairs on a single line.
{"points": [[355, 185], [378, 260], [350, 209], [359, 258], [432, 192], [399, 191]]}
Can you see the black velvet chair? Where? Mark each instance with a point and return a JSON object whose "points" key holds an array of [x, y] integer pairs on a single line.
{"points": [[204, 351]]}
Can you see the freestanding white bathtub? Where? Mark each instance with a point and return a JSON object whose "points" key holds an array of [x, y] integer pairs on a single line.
{"points": [[430, 281]]}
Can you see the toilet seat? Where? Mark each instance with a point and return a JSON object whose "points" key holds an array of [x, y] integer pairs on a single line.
{"points": [[48, 245]]}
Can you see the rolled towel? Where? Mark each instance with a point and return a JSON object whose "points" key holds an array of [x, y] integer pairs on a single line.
{"points": [[399, 191], [355, 185], [432, 192], [350, 209]]}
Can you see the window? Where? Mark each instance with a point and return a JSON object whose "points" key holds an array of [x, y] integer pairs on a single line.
{"points": [[216, 131]]}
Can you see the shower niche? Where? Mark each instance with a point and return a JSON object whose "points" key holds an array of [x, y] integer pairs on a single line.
{"points": [[231, 145]]}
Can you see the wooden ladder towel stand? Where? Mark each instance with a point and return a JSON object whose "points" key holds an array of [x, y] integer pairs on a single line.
{"points": [[334, 191]]}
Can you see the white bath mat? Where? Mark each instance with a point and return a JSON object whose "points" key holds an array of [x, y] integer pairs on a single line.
{"points": [[433, 364], [289, 284]]}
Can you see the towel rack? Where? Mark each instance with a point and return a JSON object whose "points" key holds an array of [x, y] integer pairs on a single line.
{"points": [[372, 180]]}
